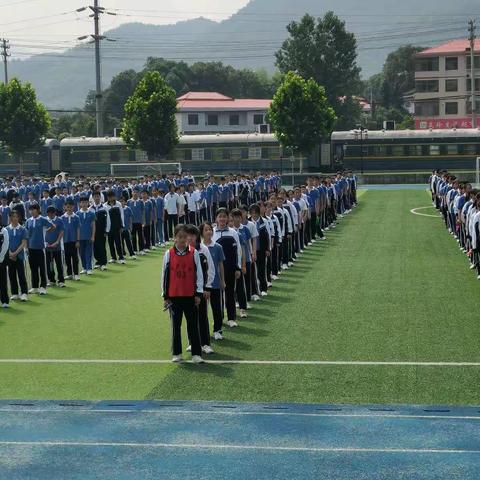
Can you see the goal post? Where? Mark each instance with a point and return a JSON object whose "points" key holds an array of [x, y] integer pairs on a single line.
{"points": [[142, 169]]}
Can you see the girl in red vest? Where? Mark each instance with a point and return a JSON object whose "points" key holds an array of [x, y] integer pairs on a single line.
{"points": [[182, 282]]}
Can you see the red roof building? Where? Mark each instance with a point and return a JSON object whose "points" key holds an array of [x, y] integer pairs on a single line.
{"points": [[442, 97], [213, 112]]}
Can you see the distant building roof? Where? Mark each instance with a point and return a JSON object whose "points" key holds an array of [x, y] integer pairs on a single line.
{"points": [[198, 101], [454, 46]]}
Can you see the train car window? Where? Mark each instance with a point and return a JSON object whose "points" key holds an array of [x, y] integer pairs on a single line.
{"points": [[254, 153], [226, 154], [207, 154], [398, 151], [198, 154], [187, 154], [470, 149], [434, 149], [388, 150], [380, 150], [416, 150], [244, 153], [452, 149], [265, 154]]}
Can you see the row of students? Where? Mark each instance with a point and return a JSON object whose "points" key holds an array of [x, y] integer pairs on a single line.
{"points": [[459, 205], [230, 263]]}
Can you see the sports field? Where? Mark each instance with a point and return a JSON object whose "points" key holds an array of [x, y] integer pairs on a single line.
{"points": [[387, 286]]}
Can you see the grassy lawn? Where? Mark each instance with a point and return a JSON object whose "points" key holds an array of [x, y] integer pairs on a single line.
{"points": [[386, 286]]}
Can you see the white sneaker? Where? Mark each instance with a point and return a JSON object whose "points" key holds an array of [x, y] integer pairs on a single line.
{"points": [[263, 294], [269, 284], [96, 267], [103, 268], [89, 272], [153, 248], [290, 264], [33, 290], [83, 272], [14, 297], [323, 238], [274, 277], [5, 305], [217, 336], [177, 359], [69, 277], [189, 348], [255, 298], [49, 284], [249, 307], [197, 359], [232, 323], [327, 229], [112, 261], [313, 240], [473, 266], [478, 278], [76, 278], [284, 266], [24, 297], [207, 349], [61, 285], [243, 314], [42, 291], [237, 305], [134, 257], [162, 245], [142, 253], [123, 262]]}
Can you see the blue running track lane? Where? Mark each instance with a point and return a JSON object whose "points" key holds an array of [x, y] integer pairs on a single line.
{"points": [[205, 440]]}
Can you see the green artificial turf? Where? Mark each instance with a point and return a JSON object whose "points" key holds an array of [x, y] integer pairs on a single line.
{"points": [[387, 285]]}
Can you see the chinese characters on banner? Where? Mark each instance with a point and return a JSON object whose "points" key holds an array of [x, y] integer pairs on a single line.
{"points": [[443, 123]]}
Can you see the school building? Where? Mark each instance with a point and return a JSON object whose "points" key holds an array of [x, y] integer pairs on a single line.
{"points": [[442, 96]]}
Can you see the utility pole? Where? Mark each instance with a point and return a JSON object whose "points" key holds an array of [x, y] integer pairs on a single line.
{"points": [[5, 48], [471, 30], [98, 74]]}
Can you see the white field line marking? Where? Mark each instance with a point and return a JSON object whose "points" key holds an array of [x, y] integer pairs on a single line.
{"points": [[237, 362], [236, 447], [415, 212], [221, 412]]}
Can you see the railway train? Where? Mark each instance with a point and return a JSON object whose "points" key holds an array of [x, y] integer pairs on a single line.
{"points": [[195, 153], [406, 150], [361, 151]]}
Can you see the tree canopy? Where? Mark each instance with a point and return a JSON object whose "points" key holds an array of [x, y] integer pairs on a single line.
{"points": [[301, 114], [149, 121], [324, 50], [24, 122]]}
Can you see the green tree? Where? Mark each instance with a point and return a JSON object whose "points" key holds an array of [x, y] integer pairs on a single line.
{"points": [[399, 75], [301, 114], [149, 121], [323, 50], [24, 122]]}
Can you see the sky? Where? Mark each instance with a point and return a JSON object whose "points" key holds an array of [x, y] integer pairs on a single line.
{"points": [[32, 24]]}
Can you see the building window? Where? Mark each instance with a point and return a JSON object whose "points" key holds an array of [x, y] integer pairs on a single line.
{"points": [[258, 119], [198, 154], [235, 119], [451, 108], [429, 64], [212, 119], [434, 149], [422, 86], [452, 149], [476, 62], [254, 153], [451, 85], [469, 106], [451, 63], [469, 84], [193, 119], [427, 109]]}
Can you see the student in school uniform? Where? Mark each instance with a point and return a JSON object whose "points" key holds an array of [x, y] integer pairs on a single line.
{"points": [[71, 240], [127, 245], [4, 248], [17, 235], [182, 282], [36, 227], [4, 209], [87, 235], [137, 207], [148, 215], [171, 200], [251, 281], [262, 246], [160, 213], [208, 271], [53, 248], [102, 227], [244, 236], [117, 224], [218, 284], [228, 238], [45, 202]]}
